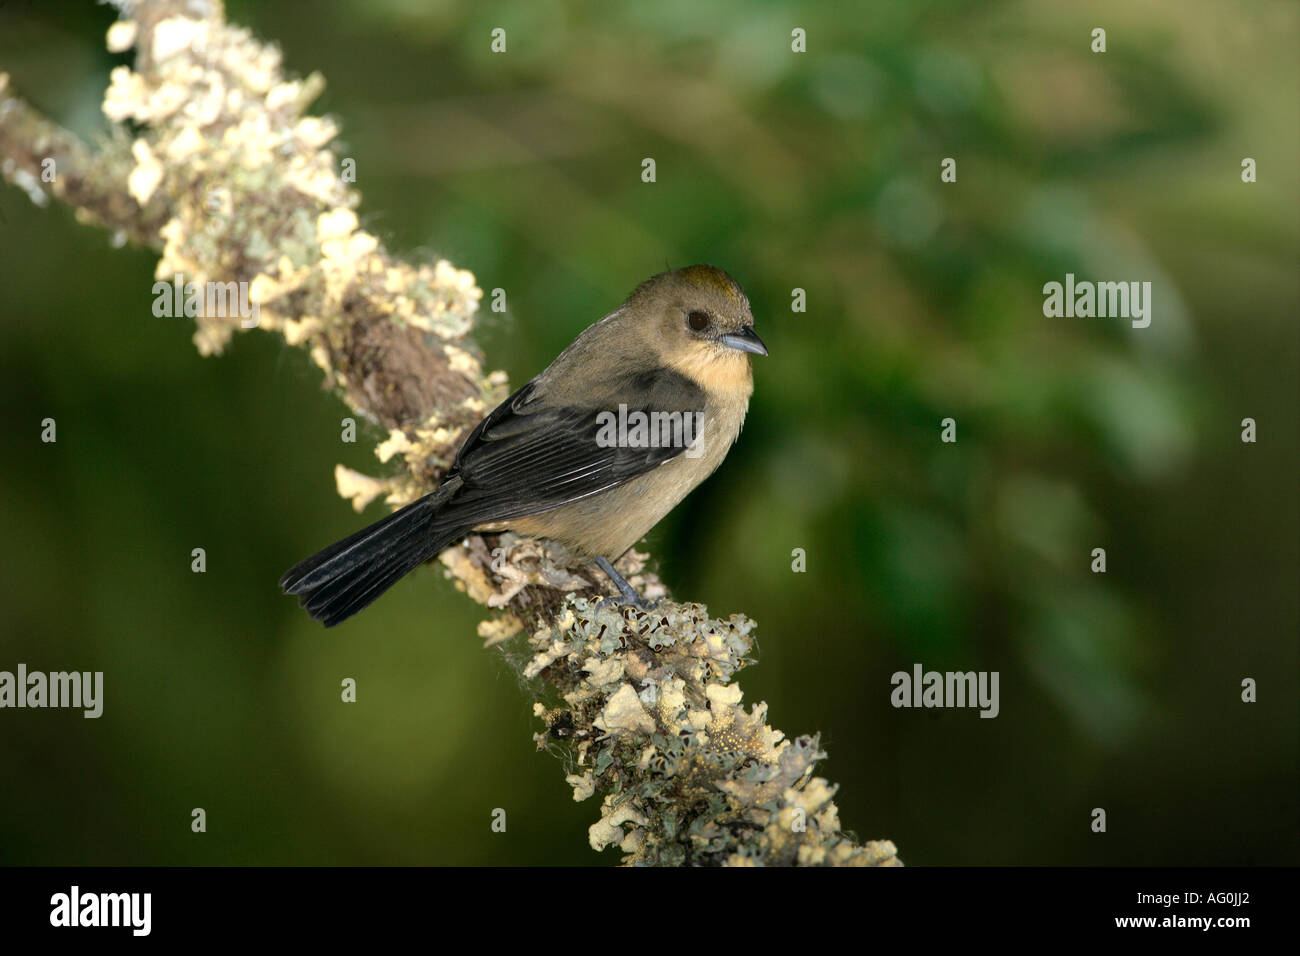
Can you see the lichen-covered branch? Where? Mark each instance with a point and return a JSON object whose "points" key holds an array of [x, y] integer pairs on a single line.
{"points": [[231, 180]]}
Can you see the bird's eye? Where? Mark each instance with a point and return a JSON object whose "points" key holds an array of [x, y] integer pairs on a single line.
{"points": [[697, 320]]}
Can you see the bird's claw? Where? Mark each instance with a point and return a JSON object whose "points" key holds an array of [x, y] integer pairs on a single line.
{"points": [[641, 604]]}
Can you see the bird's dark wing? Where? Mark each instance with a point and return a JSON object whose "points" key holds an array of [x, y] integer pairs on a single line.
{"points": [[529, 456]]}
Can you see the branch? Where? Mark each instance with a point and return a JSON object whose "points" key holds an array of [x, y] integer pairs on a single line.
{"points": [[231, 181]]}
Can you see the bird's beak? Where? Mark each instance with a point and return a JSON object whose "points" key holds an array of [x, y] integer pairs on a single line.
{"points": [[746, 340]]}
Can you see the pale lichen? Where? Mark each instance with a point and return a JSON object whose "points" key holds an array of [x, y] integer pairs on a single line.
{"points": [[690, 776]]}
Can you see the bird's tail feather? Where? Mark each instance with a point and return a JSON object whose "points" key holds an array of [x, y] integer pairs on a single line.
{"points": [[339, 581]]}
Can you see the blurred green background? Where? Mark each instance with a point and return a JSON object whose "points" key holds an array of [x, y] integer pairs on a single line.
{"points": [[818, 171]]}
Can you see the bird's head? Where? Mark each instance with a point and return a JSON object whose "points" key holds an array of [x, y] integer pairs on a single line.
{"points": [[700, 322]]}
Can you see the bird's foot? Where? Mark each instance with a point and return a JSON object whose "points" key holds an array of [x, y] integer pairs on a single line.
{"points": [[636, 601], [626, 593]]}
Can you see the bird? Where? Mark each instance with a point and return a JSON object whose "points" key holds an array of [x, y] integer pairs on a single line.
{"points": [[590, 454]]}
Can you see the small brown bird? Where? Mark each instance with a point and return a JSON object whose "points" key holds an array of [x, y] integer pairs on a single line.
{"points": [[637, 411]]}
